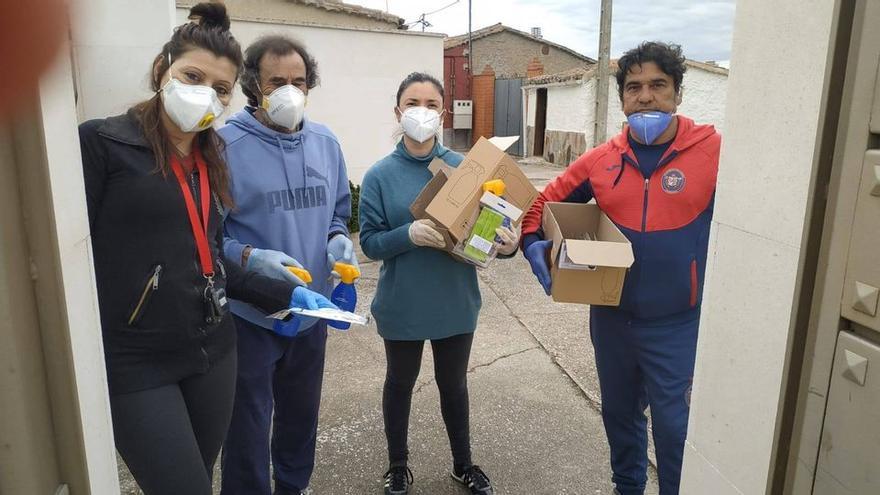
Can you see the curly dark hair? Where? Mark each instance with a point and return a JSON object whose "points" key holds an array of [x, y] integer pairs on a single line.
{"points": [[667, 56], [418, 77], [274, 44]]}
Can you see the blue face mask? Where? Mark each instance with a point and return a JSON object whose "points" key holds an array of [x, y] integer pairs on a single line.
{"points": [[648, 126]]}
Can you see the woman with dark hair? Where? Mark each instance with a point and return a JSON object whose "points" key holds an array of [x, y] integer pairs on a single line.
{"points": [[156, 186], [415, 275]]}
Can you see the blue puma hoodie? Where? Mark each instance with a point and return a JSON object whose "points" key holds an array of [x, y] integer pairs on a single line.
{"points": [[291, 194]]}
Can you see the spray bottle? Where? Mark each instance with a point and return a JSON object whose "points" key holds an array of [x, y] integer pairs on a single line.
{"points": [[345, 294], [498, 188], [301, 273], [291, 327]]}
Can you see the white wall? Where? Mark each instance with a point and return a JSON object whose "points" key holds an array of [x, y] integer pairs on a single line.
{"points": [[531, 101], [114, 43], [568, 108], [360, 72], [73, 282], [766, 161], [53, 324], [572, 107]]}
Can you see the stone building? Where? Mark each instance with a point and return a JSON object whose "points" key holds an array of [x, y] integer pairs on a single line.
{"points": [[509, 51], [502, 58], [560, 109]]}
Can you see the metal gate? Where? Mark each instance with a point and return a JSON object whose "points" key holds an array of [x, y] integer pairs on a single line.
{"points": [[508, 111]]}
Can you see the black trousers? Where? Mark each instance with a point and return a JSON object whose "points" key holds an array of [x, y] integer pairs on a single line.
{"points": [[404, 357], [170, 436]]}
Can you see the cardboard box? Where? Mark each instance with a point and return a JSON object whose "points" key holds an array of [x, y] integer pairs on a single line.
{"points": [[452, 197], [418, 206], [590, 255]]}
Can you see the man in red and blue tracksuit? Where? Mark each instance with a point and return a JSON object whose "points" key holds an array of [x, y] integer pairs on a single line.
{"points": [[656, 182]]}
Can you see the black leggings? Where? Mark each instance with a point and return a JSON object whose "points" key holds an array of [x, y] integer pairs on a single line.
{"points": [[170, 436], [404, 358]]}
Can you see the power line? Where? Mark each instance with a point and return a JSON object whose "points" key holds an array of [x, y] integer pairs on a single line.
{"points": [[422, 18], [443, 8]]}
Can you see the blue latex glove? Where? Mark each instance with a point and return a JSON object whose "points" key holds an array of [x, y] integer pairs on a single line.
{"points": [[305, 299], [538, 253], [273, 264], [340, 248]]}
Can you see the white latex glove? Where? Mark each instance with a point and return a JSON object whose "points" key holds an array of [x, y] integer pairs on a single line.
{"points": [[509, 240], [424, 233]]}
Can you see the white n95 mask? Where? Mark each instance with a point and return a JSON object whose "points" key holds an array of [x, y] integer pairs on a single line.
{"points": [[285, 106], [191, 107], [420, 123]]}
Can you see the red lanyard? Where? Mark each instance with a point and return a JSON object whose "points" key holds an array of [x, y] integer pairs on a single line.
{"points": [[199, 229]]}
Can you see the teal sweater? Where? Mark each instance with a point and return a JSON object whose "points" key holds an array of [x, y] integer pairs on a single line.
{"points": [[423, 293]]}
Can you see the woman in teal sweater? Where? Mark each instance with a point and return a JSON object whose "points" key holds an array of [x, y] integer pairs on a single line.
{"points": [[423, 293]]}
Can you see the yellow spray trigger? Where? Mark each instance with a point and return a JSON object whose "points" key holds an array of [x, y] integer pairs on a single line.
{"points": [[496, 187], [301, 273], [348, 273]]}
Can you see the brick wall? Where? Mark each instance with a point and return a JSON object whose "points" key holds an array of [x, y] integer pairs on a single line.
{"points": [[484, 104], [535, 68]]}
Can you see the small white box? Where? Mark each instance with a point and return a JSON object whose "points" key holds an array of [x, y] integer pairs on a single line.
{"points": [[462, 114]]}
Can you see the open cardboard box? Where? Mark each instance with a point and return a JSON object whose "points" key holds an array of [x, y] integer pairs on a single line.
{"points": [[452, 197], [417, 208], [592, 271]]}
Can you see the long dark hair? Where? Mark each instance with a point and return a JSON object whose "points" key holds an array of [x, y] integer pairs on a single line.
{"points": [[209, 30]]}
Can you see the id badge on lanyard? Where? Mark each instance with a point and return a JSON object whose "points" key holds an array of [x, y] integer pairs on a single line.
{"points": [[215, 301]]}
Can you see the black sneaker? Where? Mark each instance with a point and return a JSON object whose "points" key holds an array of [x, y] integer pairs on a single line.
{"points": [[475, 479], [398, 479]]}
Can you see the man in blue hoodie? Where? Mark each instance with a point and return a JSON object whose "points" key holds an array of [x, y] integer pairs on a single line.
{"points": [[292, 209]]}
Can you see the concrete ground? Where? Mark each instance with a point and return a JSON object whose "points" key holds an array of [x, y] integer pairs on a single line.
{"points": [[536, 427]]}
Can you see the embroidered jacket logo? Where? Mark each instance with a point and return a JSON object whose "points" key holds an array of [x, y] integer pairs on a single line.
{"points": [[673, 181]]}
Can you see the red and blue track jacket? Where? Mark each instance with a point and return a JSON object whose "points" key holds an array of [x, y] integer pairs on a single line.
{"points": [[665, 216]]}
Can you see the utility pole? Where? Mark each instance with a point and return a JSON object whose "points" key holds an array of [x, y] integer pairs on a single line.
{"points": [[423, 21], [470, 69], [470, 48], [602, 74]]}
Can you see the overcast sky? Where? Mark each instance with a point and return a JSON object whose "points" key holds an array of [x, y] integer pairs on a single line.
{"points": [[703, 28]]}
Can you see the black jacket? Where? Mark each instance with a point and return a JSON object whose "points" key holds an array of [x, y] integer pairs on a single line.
{"points": [[150, 283]]}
